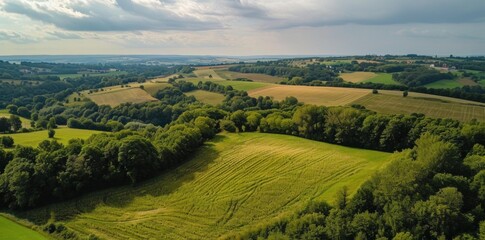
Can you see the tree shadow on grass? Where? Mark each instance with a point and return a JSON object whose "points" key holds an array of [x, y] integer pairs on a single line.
{"points": [[118, 197]]}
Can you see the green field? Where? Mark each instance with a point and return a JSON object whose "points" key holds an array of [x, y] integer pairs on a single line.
{"points": [[234, 182], [384, 78], [239, 85], [10, 230], [63, 135], [421, 103], [327, 96], [207, 97], [448, 83]]}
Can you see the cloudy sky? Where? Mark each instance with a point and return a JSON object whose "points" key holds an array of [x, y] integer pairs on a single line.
{"points": [[242, 27]]}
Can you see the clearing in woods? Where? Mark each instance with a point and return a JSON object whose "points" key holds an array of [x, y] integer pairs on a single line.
{"points": [[14, 231], [206, 96], [25, 121], [233, 182], [63, 135], [328, 96], [116, 97]]}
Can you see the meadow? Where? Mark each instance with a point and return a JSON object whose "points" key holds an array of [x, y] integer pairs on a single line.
{"points": [[437, 107], [207, 97], [116, 97], [356, 77], [63, 135], [207, 73], [234, 182], [328, 96], [13, 231], [384, 78]]}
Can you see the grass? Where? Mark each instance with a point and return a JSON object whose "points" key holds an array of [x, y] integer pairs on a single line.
{"points": [[432, 106], [252, 76], [328, 96], [116, 97], [383, 78], [14, 231], [387, 102], [356, 77], [153, 87], [232, 183], [207, 97], [63, 135], [239, 85], [447, 83], [205, 73]]}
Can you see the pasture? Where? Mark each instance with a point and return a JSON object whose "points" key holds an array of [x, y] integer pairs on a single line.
{"points": [[14, 231], [234, 182], [63, 135], [383, 78], [436, 107], [207, 97], [328, 96], [238, 85], [116, 97], [448, 83], [356, 77], [207, 73]]}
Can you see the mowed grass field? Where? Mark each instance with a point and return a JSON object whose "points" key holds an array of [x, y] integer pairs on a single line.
{"points": [[206, 73], [384, 78], [234, 182], [356, 77], [10, 230], [437, 107], [328, 96], [116, 97], [207, 97], [63, 135], [239, 85]]}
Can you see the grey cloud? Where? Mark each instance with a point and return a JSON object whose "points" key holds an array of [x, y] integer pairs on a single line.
{"points": [[102, 16], [64, 35], [128, 15], [16, 38]]}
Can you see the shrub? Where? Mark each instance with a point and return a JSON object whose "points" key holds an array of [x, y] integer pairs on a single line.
{"points": [[7, 141], [228, 125], [51, 133]]}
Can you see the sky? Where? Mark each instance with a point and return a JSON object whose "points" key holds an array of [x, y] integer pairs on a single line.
{"points": [[242, 27]]}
